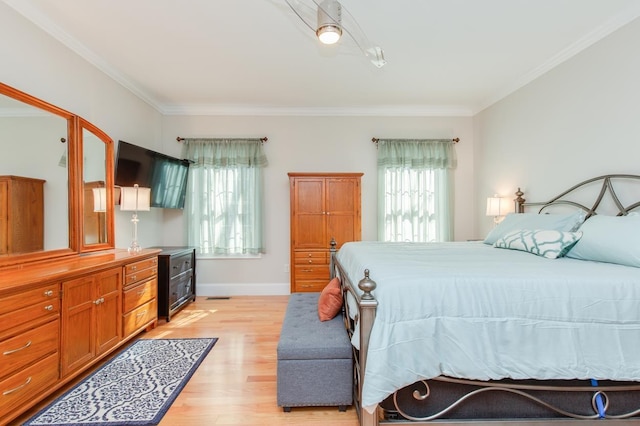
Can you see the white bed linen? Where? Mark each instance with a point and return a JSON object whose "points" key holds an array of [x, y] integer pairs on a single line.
{"points": [[470, 310]]}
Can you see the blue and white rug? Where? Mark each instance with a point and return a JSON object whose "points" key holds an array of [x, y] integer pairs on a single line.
{"points": [[137, 387]]}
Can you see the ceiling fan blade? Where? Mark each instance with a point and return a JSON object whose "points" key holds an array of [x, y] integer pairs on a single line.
{"points": [[371, 51], [307, 11]]}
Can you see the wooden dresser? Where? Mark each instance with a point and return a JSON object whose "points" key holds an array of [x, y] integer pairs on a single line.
{"points": [[60, 317], [323, 206]]}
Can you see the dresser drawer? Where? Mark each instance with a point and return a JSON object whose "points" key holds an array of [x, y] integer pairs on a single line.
{"points": [[25, 298], [141, 274], [27, 384], [311, 258], [140, 294], [140, 317], [22, 319], [132, 268], [179, 264], [22, 350]]}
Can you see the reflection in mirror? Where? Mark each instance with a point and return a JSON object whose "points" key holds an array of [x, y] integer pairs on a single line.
{"points": [[95, 194], [40, 219]]}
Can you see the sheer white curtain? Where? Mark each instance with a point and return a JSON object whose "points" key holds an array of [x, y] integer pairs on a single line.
{"points": [[224, 205], [415, 190]]}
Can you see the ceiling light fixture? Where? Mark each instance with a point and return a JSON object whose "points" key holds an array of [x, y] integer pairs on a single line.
{"points": [[329, 28], [330, 21]]}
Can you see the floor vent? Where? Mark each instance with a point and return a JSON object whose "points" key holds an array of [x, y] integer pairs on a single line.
{"points": [[218, 298]]}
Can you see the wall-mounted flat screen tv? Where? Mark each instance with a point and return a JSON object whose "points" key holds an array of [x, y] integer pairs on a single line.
{"points": [[165, 175]]}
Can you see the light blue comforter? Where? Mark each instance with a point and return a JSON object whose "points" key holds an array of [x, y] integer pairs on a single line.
{"points": [[469, 310]]}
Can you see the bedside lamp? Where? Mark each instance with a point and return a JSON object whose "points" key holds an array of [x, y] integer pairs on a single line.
{"points": [[135, 199], [99, 200], [498, 207]]}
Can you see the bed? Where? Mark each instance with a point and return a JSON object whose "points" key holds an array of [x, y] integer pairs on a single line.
{"points": [[539, 321]]}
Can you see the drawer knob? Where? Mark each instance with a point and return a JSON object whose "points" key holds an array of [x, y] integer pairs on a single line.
{"points": [[13, 351], [7, 392], [48, 293], [134, 268], [98, 301], [132, 278], [48, 308], [141, 314]]}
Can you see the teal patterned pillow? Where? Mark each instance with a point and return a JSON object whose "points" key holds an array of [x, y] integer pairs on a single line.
{"points": [[541, 242]]}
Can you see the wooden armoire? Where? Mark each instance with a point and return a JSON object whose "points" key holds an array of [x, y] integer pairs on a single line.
{"points": [[324, 206], [21, 214]]}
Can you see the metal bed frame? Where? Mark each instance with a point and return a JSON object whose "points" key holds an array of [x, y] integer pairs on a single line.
{"points": [[460, 401]]}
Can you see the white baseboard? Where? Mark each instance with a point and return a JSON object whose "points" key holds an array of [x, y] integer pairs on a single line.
{"points": [[248, 289]]}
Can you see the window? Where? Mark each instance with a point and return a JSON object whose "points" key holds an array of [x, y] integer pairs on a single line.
{"points": [[224, 205], [414, 190]]}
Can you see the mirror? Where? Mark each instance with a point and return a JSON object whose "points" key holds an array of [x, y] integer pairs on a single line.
{"points": [[41, 196], [97, 155]]}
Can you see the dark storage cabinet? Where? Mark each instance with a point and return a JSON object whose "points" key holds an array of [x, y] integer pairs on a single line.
{"points": [[176, 279]]}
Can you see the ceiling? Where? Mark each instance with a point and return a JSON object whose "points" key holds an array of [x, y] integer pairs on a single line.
{"points": [[245, 57]]}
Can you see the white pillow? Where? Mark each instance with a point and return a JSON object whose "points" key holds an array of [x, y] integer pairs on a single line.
{"points": [[612, 239], [517, 221], [547, 243]]}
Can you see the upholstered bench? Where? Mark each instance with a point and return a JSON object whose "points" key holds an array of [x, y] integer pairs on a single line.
{"points": [[314, 357]]}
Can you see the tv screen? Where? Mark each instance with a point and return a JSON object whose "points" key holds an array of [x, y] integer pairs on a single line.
{"points": [[165, 175]]}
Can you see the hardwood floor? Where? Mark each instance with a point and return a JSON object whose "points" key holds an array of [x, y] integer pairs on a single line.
{"points": [[236, 383]]}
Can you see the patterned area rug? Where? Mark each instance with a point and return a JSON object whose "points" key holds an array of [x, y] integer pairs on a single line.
{"points": [[137, 387]]}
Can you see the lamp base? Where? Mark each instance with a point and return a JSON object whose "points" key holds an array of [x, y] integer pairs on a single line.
{"points": [[134, 248]]}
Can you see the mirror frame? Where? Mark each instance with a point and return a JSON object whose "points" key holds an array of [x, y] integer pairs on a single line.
{"points": [[75, 124], [109, 167]]}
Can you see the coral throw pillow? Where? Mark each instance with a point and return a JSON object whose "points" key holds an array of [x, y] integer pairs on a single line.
{"points": [[330, 301]]}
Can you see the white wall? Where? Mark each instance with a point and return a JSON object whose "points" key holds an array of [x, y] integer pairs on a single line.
{"points": [[310, 144], [579, 120], [34, 62]]}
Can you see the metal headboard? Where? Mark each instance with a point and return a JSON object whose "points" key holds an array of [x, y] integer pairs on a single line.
{"points": [[609, 184]]}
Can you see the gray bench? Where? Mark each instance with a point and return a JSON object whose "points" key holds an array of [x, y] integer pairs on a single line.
{"points": [[314, 357]]}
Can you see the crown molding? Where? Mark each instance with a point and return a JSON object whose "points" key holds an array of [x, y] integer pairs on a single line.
{"points": [[581, 44], [357, 111], [26, 9]]}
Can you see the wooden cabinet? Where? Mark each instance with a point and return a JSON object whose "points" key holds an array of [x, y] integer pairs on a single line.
{"points": [[176, 279], [29, 345], [91, 317], [324, 206], [140, 303], [59, 318], [21, 214]]}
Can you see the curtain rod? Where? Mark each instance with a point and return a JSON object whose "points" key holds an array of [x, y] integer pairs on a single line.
{"points": [[263, 139], [454, 140]]}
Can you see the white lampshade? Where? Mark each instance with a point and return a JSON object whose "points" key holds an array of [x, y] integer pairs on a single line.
{"points": [[498, 206], [99, 199], [329, 27], [135, 198]]}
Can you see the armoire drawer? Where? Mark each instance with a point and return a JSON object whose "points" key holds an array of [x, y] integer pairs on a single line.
{"points": [[312, 286], [308, 272], [311, 258]]}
